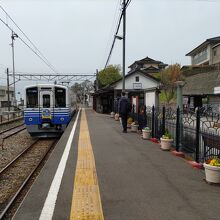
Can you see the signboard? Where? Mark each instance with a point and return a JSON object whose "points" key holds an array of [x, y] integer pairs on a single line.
{"points": [[216, 90], [137, 85]]}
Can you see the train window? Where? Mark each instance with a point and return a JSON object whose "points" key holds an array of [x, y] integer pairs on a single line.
{"points": [[32, 97], [46, 101], [60, 97]]}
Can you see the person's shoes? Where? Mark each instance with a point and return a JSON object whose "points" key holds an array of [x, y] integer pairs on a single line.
{"points": [[124, 131]]}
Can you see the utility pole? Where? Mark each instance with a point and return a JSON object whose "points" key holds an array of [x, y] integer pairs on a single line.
{"points": [[13, 36], [8, 90], [124, 33]]}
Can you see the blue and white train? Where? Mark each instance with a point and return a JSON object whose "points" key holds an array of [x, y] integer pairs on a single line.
{"points": [[47, 109]]}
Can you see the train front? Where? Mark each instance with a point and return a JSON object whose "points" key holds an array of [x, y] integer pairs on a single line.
{"points": [[47, 110]]}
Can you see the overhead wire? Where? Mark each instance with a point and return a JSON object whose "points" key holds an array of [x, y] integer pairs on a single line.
{"points": [[35, 52], [35, 47], [116, 32], [113, 27]]}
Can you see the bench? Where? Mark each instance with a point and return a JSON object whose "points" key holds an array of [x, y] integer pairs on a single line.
{"points": [[211, 145]]}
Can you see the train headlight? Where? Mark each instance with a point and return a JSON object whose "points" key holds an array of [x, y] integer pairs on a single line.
{"points": [[61, 119], [30, 119]]}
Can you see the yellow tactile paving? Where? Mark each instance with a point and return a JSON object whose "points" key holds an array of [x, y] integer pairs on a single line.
{"points": [[86, 202]]}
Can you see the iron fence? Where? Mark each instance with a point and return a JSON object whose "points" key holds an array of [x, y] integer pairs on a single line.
{"points": [[194, 133], [7, 116]]}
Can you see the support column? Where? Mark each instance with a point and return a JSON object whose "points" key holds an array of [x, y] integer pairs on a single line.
{"points": [[179, 106]]}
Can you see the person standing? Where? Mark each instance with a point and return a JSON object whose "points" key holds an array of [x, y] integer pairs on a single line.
{"points": [[124, 108]]}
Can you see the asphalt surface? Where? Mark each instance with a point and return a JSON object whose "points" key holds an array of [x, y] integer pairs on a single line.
{"points": [[137, 180]]}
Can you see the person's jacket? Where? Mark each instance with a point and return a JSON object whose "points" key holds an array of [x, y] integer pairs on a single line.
{"points": [[123, 106]]}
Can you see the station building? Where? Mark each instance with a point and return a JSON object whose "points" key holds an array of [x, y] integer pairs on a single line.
{"points": [[141, 86]]}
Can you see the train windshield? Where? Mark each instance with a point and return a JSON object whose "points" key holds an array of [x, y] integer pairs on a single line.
{"points": [[46, 101], [60, 97], [32, 97]]}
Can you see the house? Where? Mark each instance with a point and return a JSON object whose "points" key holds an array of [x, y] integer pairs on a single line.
{"points": [[147, 65], [207, 53], [203, 76], [4, 97], [139, 85], [199, 90]]}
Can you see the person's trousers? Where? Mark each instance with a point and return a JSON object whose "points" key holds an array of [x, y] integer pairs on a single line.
{"points": [[124, 119]]}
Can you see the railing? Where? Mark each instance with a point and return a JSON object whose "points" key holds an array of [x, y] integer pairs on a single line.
{"points": [[8, 116], [197, 134]]}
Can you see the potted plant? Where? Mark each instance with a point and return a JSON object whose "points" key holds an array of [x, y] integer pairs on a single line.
{"points": [[116, 117], [134, 126], [166, 141], [112, 114], [129, 122], [146, 133], [212, 170]]}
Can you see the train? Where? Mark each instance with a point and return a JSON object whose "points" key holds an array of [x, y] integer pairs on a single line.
{"points": [[47, 109]]}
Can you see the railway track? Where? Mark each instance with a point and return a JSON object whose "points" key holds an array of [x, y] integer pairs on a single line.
{"points": [[15, 175], [11, 131]]}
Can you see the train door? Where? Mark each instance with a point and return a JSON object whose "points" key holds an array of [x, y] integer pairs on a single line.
{"points": [[46, 105]]}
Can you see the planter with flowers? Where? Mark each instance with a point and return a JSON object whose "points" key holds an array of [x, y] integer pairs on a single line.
{"points": [[212, 170], [112, 114], [134, 126], [146, 133], [116, 117], [129, 122], [166, 141]]}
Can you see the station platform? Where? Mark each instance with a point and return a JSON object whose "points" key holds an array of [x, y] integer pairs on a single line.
{"points": [[98, 172]]}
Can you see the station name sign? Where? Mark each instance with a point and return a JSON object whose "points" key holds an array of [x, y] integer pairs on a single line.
{"points": [[137, 85]]}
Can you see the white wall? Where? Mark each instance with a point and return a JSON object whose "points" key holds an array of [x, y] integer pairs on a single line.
{"points": [[147, 82], [150, 99]]}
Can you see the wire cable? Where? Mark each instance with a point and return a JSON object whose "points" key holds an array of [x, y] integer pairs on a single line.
{"points": [[50, 66], [8, 16], [116, 32]]}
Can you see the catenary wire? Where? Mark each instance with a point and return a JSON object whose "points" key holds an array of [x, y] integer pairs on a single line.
{"points": [[8, 16], [29, 46], [117, 29]]}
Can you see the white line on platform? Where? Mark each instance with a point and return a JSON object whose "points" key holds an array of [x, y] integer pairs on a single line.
{"points": [[49, 204]]}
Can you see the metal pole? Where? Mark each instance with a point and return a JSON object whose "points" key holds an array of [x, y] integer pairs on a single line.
{"points": [[153, 122], [177, 128], [197, 135], [124, 32], [13, 63], [8, 90]]}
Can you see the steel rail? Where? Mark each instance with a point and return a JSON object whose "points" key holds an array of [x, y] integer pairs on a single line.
{"points": [[5, 210], [11, 129], [17, 157], [1, 132]]}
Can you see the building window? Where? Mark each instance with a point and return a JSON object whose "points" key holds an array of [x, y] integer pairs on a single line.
{"points": [[215, 53], [2, 92], [137, 79], [5, 104]]}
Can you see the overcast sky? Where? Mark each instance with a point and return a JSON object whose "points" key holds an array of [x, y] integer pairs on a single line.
{"points": [[76, 35]]}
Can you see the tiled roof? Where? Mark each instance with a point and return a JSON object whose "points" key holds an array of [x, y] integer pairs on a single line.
{"points": [[202, 83], [205, 43]]}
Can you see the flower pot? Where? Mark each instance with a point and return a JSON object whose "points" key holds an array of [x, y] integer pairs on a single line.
{"points": [[146, 134], [212, 173], [134, 128], [166, 143], [116, 117], [112, 115]]}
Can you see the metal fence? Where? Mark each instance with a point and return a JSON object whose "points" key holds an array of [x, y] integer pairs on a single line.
{"points": [[197, 134], [7, 116]]}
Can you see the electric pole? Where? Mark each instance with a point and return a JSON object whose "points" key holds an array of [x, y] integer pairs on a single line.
{"points": [[13, 36], [8, 89], [124, 33]]}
